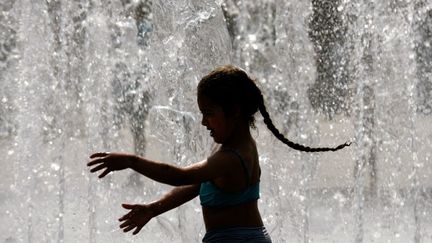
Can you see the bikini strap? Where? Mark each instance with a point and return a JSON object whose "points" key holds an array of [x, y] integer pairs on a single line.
{"points": [[243, 163]]}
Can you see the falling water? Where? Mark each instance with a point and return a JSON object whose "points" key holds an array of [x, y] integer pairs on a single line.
{"points": [[83, 76]]}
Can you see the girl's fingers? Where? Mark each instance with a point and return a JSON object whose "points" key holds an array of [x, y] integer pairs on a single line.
{"points": [[137, 230], [128, 215], [129, 228], [104, 173], [100, 154], [95, 161], [128, 206], [126, 223], [99, 167], [124, 217]]}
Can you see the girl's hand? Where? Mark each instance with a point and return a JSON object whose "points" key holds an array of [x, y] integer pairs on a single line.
{"points": [[139, 216], [109, 162]]}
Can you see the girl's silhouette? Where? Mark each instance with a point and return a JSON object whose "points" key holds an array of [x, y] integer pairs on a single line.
{"points": [[228, 181]]}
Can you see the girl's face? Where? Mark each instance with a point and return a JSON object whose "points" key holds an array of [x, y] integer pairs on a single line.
{"points": [[215, 120]]}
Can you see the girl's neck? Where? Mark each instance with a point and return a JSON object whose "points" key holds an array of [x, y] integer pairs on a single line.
{"points": [[240, 137]]}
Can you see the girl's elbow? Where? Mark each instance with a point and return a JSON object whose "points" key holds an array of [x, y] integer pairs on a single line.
{"points": [[182, 181], [177, 183], [171, 176]]}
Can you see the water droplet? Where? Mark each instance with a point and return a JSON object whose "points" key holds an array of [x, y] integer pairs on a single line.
{"points": [[377, 235], [252, 38], [55, 166]]}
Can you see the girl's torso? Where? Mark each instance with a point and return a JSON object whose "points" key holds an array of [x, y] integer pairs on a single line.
{"points": [[239, 215]]}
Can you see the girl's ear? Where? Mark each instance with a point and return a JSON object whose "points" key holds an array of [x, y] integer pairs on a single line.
{"points": [[236, 111]]}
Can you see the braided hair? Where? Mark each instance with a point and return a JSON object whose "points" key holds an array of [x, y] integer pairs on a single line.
{"points": [[229, 85]]}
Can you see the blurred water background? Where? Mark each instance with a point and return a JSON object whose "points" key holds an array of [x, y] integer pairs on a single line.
{"points": [[120, 75]]}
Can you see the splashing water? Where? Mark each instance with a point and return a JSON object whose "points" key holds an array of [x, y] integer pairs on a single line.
{"points": [[83, 76]]}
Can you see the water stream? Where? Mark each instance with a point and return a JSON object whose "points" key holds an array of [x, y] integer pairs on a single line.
{"points": [[89, 75]]}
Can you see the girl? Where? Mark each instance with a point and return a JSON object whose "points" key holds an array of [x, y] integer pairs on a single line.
{"points": [[227, 182]]}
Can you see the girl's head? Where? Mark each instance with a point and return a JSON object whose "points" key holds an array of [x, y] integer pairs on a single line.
{"points": [[234, 91]]}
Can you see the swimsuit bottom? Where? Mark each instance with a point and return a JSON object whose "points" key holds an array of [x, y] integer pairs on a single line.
{"points": [[237, 234]]}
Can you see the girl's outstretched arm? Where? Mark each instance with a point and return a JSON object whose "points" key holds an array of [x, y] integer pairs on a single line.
{"points": [[218, 165], [140, 214]]}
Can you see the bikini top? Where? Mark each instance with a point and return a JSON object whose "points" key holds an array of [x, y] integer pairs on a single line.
{"points": [[212, 196]]}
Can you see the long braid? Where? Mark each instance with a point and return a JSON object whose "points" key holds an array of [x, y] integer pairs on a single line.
{"points": [[282, 138], [229, 85]]}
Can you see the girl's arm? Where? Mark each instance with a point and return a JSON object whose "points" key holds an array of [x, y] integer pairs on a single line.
{"points": [[140, 214], [218, 165], [175, 198]]}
